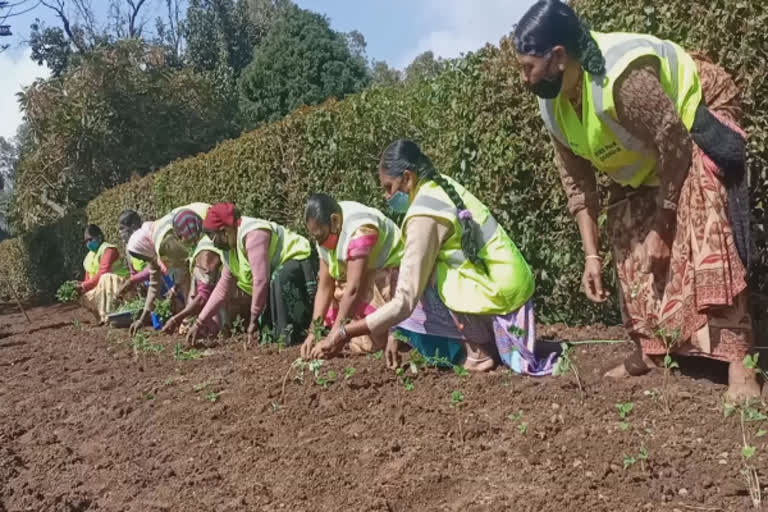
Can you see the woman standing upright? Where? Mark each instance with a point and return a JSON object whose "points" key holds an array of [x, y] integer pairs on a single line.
{"points": [[662, 125]]}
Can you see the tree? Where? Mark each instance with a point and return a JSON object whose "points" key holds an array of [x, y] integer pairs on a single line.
{"points": [[301, 62], [424, 66], [383, 75], [62, 47], [120, 111]]}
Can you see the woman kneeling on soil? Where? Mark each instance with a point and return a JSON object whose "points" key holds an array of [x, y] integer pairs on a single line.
{"points": [[662, 125], [205, 265], [266, 261], [360, 250], [105, 272], [157, 244], [461, 276]]}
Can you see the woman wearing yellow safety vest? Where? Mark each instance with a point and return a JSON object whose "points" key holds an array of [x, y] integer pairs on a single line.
{"points": [[460, 277], [105, 272], [266, 261], [360, 250], [662, 125], [165, 253]]}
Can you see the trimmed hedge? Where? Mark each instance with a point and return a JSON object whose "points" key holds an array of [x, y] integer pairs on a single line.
{"points": [[477, 124]]}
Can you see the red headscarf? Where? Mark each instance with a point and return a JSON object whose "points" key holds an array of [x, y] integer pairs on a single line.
{"points": [[220, 215]]}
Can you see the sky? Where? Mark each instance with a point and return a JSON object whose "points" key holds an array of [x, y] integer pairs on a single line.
{"points": [[396, 31]]}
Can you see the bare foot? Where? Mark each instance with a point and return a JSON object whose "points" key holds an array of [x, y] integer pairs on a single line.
{"points": [[742, 383], [478, 359], [633, 366], [479, 365]]}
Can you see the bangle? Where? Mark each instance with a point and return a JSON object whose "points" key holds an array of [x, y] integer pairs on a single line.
{"points": [[343, 332], [593, 256]]}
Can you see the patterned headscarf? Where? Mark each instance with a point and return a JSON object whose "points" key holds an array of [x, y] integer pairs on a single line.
{"points": [[188, 226]]}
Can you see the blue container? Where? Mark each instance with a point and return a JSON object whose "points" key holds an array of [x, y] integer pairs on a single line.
{"points": [[156, 322]]}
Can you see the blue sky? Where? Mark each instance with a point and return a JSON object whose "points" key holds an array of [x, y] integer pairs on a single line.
{"points": [[396, 31]]}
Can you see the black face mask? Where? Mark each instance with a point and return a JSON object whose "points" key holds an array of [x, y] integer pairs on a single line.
{"points": [[548, 88]]}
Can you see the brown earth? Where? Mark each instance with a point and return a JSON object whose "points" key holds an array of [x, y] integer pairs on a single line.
{"points": [[88, 424]]}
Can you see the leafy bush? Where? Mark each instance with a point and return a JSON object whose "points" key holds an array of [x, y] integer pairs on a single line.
{"points": [[67, 292], [477, 124]]}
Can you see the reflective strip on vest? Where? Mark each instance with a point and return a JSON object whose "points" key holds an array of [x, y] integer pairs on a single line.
{"points": [[617, 56]]}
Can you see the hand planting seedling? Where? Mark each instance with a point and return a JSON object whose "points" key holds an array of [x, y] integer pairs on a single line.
{"points": [[565, 363], [67, 292], [624, 410]]}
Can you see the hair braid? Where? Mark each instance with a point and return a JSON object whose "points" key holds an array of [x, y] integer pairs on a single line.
{"points": [[469, 228]]}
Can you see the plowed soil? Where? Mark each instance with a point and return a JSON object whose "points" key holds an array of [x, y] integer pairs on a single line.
{"points": [[88, 423]]}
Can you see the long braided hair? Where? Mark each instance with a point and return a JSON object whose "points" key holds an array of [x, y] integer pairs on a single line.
{"points": [[404, 155], [549, 23]]}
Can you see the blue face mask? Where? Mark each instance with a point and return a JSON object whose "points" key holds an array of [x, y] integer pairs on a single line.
{"points": [[93, 245], [399, 202]]}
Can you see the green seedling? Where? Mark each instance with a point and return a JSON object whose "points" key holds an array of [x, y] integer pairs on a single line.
{"points": [[631, 460], [460, 371], [348, 372], [748, 471], [457, 398], [671, 340], [624, 409], [275, 406], [299, 365], [328, 380], [523, 428], [377, 355], [77, 324], [212, 396], [565, 364], [142, 343], [416, 361], [180, 354], [515, 416], [319, 329], [169, 381], [67, 292], [149, 396], [314, 366], [163, 310], [238, 326], [407, 384]]}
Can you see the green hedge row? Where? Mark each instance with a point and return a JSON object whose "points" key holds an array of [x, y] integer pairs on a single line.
{"points": [[477, 124]]}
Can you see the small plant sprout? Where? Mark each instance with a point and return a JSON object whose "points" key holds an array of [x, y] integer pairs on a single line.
{"points": [[180, 354], [523, 428], [212, 396], [348, 372], [516, 416], [407, 384], [460, 371], [377, 355], [751, 362], [149, 396], [457, 398], [624, 409], [670, 339], [77, 324], [416, 361], [275, 406], [631, 460], [142, 343], [748, 471], [238, 325], [565, 364]]}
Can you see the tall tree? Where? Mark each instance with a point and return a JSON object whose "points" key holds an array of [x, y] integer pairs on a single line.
{"points": [[301, 62], [383, 75], [424, 66], [120, 111]]}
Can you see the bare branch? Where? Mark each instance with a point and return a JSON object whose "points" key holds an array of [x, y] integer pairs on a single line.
{"points": [[58, 8], [132, 29]]}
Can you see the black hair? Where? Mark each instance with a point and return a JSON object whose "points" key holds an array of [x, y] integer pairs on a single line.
{"points": [[549, 23], [320, 207], [129, 218], [404, 155], [94, 231]]}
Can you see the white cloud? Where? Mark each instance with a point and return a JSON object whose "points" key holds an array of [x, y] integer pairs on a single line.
{"points": [[461, 26], [16, 70]]}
